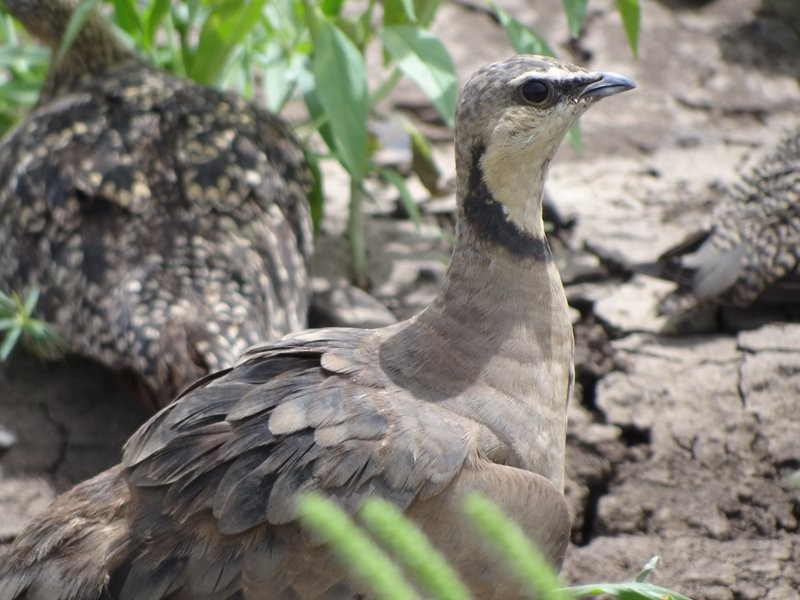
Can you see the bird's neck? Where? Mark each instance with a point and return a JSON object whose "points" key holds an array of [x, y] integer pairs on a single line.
{"points": [[506, 305], [498, 334], [502, 283], [94, 49]]}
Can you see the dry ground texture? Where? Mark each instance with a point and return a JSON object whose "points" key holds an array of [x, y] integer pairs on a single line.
{"points": [[679, 445]]}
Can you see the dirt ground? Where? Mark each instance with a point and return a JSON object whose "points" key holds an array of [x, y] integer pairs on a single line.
{"points": [[682, 446]]}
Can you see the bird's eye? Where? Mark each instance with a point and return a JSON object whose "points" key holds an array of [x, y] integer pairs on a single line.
{"points": [[535, 91]]}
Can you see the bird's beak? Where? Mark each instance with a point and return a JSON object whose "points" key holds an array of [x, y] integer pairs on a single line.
{"points": [[608, 85]]}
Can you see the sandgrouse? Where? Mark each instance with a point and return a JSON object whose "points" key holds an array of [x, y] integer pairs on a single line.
{"points": [[469, 395], [751, 250], [166, 224]]}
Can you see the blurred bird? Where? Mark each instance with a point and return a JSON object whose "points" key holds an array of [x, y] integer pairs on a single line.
{"points": [[751, 251], [166, 224], [468, 396]]}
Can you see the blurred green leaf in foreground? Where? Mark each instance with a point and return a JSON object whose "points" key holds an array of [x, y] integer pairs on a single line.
{"points": [[394, 560]]}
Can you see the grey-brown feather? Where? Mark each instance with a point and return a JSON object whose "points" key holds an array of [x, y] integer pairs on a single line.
{"points": [[468, 396], [166, 224], [751, 251]]}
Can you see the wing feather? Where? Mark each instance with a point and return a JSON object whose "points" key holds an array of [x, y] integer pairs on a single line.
{"points": [[232, 455]]}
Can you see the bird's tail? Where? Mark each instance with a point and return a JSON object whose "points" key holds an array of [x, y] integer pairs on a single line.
{"points": [[70, 551]]}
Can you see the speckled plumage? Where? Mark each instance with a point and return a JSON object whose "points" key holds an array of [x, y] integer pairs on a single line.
{"points": [[165, 223], [751, 251], [468, 396]]}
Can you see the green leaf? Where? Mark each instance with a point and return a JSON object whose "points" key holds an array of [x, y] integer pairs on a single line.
{"points": [[9, 342], [153, 17], [11, 56], [423, 163], [30, 301], [424, 59], [7, 302], [399, 12], [82, 12], [630, 12], [362, 555], [8, 323], [411, 208], [319, 120], [632, 590], [225, 27], [280, 76], [642, 575], [575, 10], [521, 557], [341, 87], [331, 8], [127, 17], [410, 546], [316, 199], [19, 92], [522, 38], [355, 234], [42, 340], [426, 10]]}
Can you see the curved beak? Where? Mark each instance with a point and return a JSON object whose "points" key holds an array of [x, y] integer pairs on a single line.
{"points": [[608, 85]]}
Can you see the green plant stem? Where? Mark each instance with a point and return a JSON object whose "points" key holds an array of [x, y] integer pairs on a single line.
{"points": [[312, 17], [355, 234]]}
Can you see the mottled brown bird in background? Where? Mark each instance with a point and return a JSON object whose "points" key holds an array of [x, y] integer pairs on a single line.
{"points": [[166, 224], [469, 395], [751, 250]]}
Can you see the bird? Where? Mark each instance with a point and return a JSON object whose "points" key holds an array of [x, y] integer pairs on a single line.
{"points": [[750, 251], [470, 395], [166, 224]]}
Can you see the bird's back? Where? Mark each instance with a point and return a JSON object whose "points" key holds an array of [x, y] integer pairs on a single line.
{"points": [[166, 224]]}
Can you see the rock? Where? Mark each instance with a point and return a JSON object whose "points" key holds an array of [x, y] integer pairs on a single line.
{"points": [[707, 569], [347, 306], [633, 306], [770, 387]]}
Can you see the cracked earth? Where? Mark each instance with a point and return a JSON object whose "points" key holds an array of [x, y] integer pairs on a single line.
{"points": [[684, 441]]}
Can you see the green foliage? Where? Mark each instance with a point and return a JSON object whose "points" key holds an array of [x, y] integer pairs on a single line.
{"points": [[423, 59], [521, 38], [79, 16], [18, 324], [426, 568], [575, 11], [277, 49], [341, 86], [629, 11]]}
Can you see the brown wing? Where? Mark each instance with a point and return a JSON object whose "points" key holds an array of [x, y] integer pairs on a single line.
{"points": [[218, 472]]}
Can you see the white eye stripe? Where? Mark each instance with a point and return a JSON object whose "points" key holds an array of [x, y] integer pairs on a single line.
{"points": [[553, 74]]}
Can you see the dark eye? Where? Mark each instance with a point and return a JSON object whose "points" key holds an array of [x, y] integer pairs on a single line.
{"points": [[535, 91]]}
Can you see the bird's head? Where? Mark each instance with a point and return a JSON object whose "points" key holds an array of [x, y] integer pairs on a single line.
{"points": [[510, 119]]}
